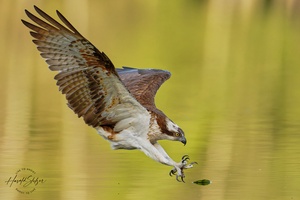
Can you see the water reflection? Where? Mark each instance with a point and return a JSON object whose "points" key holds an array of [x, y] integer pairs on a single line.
{"points": [[234, 91]]}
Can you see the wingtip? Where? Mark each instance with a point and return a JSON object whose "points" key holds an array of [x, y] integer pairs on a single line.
{"points": [[59, 14], [35, 7], [24, 22], [28, 15], [27, 12], [38, 10]]}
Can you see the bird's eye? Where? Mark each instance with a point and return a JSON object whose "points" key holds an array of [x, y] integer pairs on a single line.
{"points": [[177, 134]]}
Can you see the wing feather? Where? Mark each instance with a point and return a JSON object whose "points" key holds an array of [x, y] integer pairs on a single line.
{"points": [[143, 83], [86, 76]]}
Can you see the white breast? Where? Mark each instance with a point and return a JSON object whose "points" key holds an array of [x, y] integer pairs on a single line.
{"points": [[129, 132]]}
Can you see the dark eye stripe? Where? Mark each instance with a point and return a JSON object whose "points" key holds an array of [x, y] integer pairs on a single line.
{"points": [[180, 131]]}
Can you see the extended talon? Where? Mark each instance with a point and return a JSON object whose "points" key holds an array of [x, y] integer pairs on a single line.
{"points": [[179, 167], [181, 177], [184, 158], [190, 165], [172, 172]]}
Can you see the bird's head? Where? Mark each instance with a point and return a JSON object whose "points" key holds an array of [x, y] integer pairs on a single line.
{"points": [[173, 131]]}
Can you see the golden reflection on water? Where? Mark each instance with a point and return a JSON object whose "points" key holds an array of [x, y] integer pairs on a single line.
{"points": [[234, 90]]}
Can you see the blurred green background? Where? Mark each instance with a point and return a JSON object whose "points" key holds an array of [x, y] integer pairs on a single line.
{"points": [[234, 90]]}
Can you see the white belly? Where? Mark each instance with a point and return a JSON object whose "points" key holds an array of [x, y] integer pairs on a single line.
{"points": [[129, 133]]}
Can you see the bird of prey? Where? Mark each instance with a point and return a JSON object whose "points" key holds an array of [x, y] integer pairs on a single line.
{"points": [[118, 103]]}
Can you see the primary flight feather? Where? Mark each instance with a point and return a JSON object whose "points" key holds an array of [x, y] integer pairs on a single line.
{"points": [[118, 103]]}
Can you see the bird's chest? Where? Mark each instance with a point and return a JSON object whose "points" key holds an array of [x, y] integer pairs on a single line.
{"points": [[154, 133], [131, 137]]}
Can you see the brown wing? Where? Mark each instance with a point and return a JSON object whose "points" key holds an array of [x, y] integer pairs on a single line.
{"points": [[86, 76], [143, 83]]}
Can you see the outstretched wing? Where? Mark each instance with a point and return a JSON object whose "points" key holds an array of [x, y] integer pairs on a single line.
{"points": [[86, 76], [143, 83]]}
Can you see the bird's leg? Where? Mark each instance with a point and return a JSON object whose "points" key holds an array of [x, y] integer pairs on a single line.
{"points": [[178, 167], [178, 170], [162, 151], [156, 152]]}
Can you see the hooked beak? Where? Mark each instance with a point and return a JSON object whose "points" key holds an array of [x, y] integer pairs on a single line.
{"points": [[183, 140]]}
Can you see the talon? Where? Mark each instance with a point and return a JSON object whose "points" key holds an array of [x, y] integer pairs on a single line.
{"points": [[182, 179], [184, 160], [180, 167], [178, 179], [189, 165], [184, 157], [172, 172]]}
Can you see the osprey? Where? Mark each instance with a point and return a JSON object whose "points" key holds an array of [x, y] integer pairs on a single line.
{"points": [[118, 103]]}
